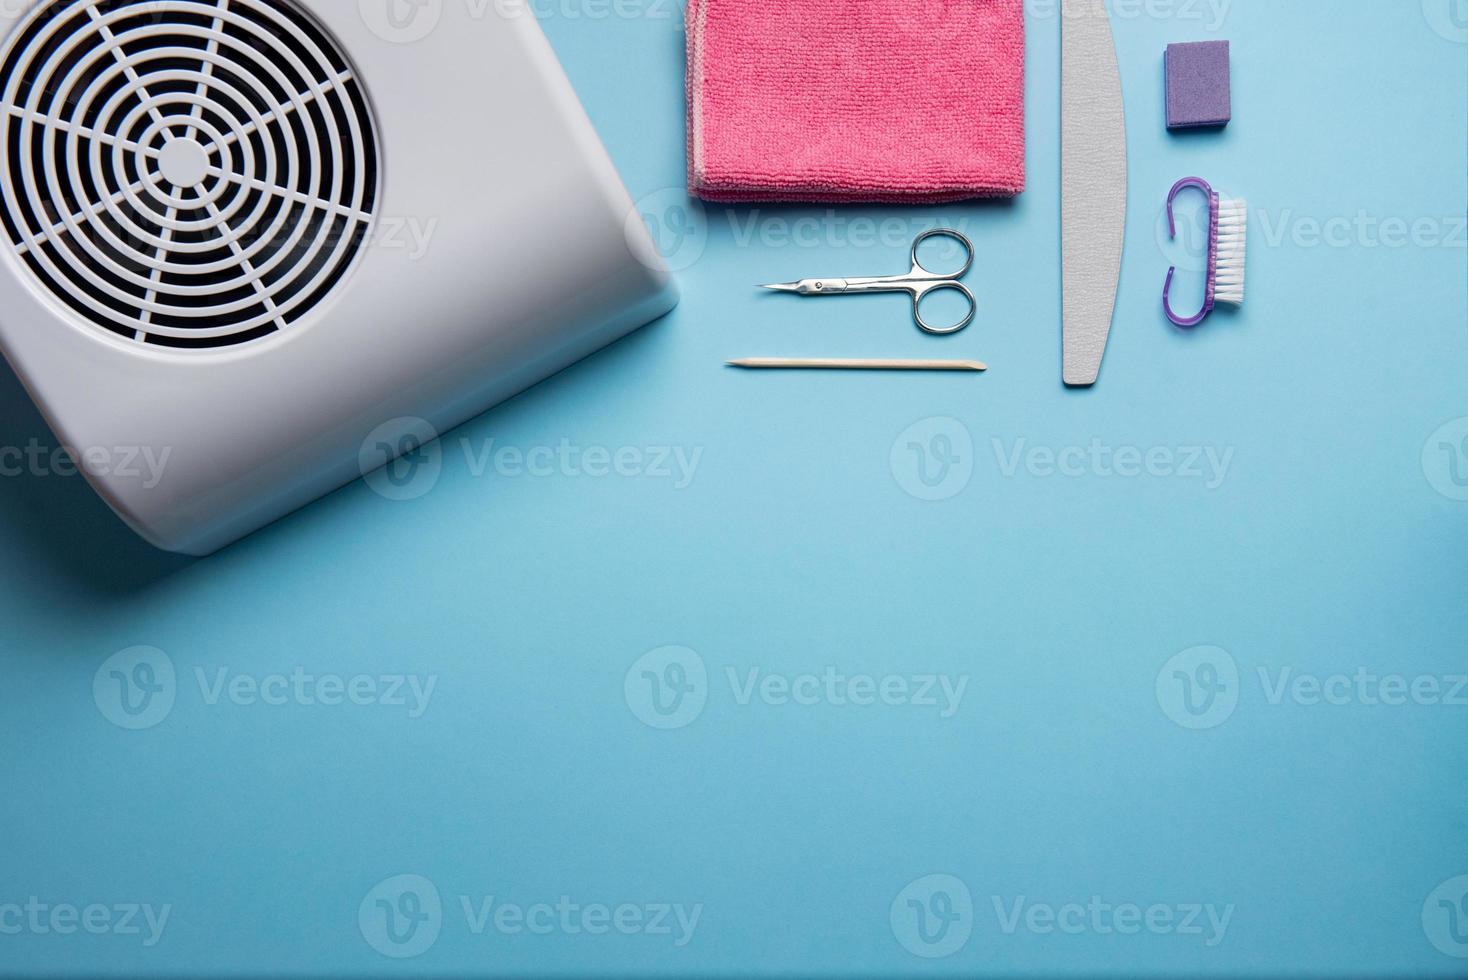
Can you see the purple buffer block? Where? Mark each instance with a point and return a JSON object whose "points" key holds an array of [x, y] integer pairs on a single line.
{"points": [[1198, 89]]}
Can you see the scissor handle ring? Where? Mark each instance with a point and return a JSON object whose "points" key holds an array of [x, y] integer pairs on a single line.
{"points": [[921, 293], [917, 264]]}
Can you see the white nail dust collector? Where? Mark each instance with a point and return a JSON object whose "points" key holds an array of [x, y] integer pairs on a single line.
{"points": [[247, 233]]}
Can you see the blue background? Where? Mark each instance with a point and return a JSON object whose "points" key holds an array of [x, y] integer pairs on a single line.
{"points": [[1327, 548]]}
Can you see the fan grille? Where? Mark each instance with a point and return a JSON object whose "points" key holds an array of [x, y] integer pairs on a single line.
{"points": [[188, 174]]}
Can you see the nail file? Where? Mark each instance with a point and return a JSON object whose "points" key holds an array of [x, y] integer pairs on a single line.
{"points": [[1093, 175]]}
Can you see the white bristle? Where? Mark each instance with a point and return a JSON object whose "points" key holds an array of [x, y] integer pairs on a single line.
{"points": [[1233, 230]]}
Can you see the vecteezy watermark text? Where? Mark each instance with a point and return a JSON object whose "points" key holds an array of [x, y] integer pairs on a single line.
{"points": [[402, 917], [410, 21], [1101, 918], [1362, 230], [1184, 241], [137, 689], [1201, 688], [832, 687], [1362, 686], [306, 689], [680, 226], [1209, 464], [934, 916], [668, 688], [934, 459], [403, 459], [38, 918], [1210, 14], [569, 918], [678, 464], [145, 464]]}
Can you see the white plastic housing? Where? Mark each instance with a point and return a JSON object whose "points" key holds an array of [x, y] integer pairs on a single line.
{"points": [[533, 260]]}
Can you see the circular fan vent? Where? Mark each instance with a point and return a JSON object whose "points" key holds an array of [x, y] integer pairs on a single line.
{"points": [[189, 174]]}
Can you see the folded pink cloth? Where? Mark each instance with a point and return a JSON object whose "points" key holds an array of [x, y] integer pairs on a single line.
{"points": [[855, 100]]}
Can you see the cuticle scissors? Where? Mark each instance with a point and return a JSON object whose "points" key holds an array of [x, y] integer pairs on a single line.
{"points": [[920, 283]]}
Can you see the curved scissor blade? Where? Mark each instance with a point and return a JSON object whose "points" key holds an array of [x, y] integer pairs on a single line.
{"points": [[783, 287]]}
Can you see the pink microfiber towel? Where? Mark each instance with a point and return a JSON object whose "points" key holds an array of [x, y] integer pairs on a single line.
{"points": [[855, 100]]}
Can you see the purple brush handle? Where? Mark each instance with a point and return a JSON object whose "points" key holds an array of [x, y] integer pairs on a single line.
{"points": [[1210, 287]]}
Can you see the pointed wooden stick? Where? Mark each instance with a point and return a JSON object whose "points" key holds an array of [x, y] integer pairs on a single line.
{"points": [[848, 364]]}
